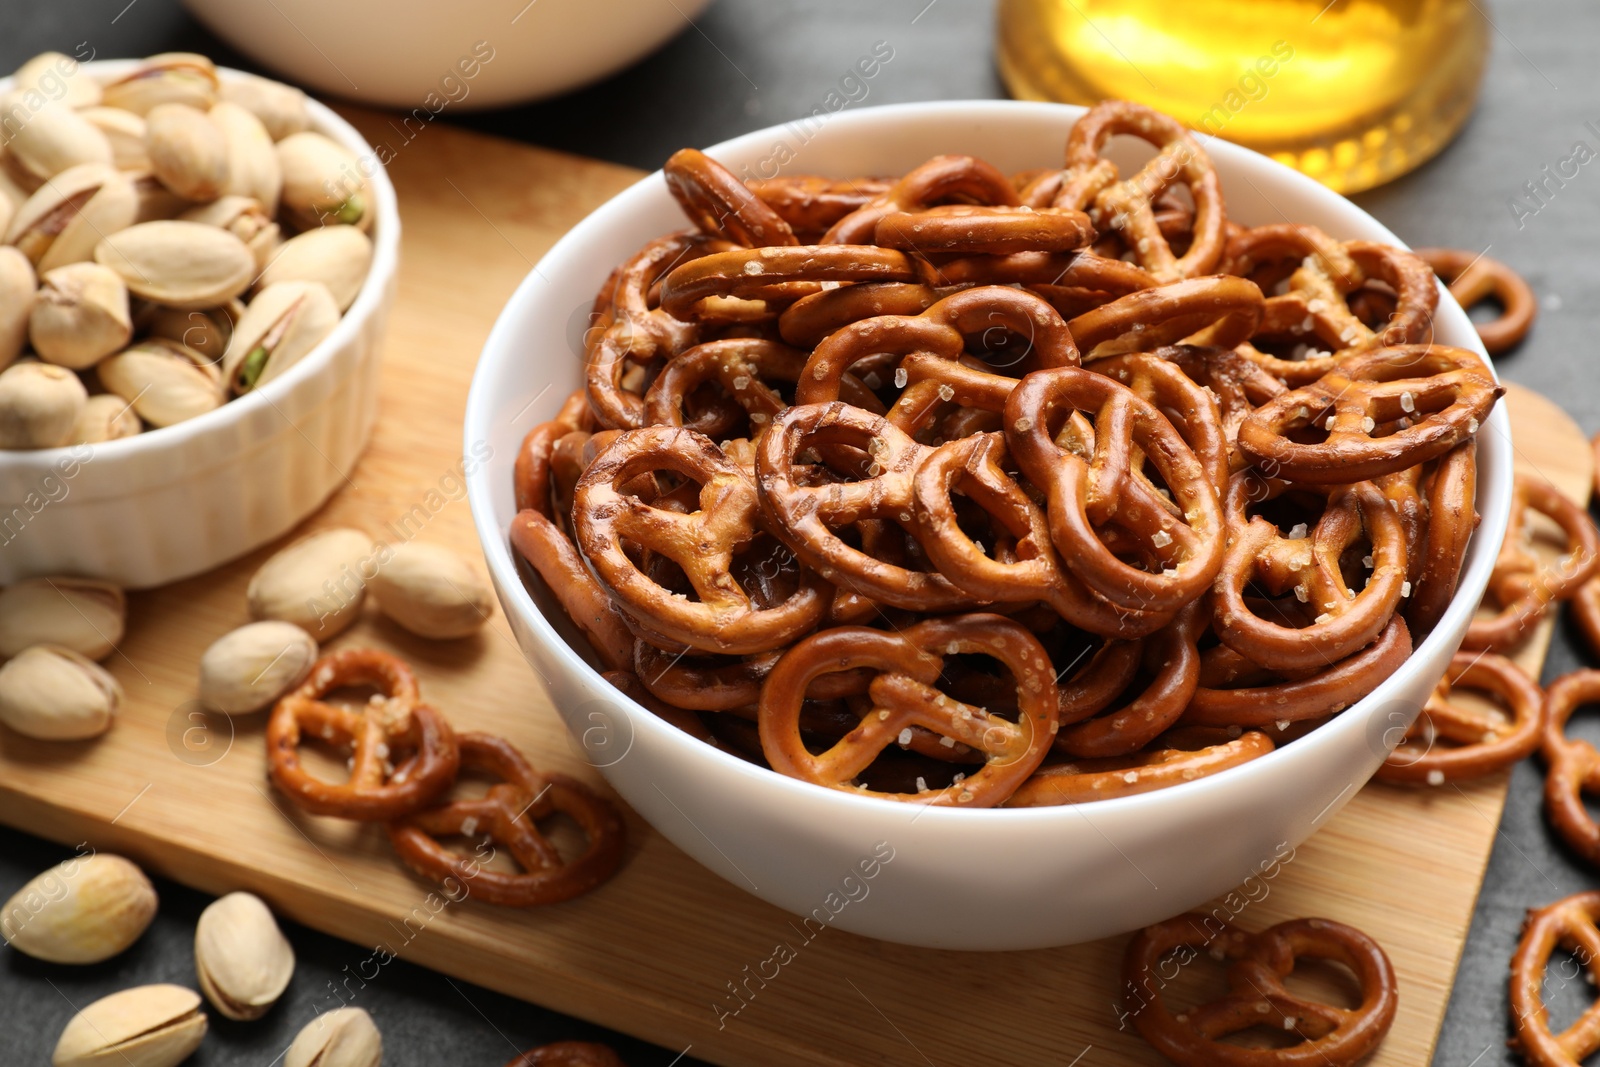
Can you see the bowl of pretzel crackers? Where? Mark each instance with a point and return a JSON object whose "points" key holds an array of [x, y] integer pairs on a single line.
{"points": [[979, 551]]}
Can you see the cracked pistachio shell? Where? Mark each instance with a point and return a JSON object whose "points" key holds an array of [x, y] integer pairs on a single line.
{"points": [[344, 1037], [53, 139], [80, 315], [206, 332], [180, 264], [322, 183], [280, 108], [54, 694], [242, 959], [318, 583], [187, 151], [105, 417], [432, 591], [246, 219], [165, 381], [71, 213], [39, 405], [280, 327], [124, 132], [57, 77], [168, 78], [253, 168], [147, 1026], [251, 667], [18, 286], [337, 256], [84, 614], [82, 910]]}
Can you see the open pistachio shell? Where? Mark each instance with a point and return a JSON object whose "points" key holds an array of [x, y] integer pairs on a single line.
{"points": [[166, 382], [52, 140], [69, 214], [80, 315], [148, 1026], [280, 326], [322, 183], [281, 108], [179, 264], [169, 78], [125, 133], [253, 168], [53, 76], [187, 151], [17, 288], [39, 405], [207, 332], [105, 417], [337, 256], [246, 219]]}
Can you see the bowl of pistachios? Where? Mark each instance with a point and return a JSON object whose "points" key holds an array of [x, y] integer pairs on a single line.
{"points": [[196, 268]]}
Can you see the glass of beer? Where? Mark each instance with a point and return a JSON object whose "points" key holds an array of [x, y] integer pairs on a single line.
{"points": [[1352, 92]]}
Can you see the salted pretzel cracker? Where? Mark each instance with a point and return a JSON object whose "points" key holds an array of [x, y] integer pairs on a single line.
{"points": [[1451, 491], [1235, 383], [1473, 279], [548, 551], [702, 543], [1569, 923], [1257, 995], [1478, 743], [720, 204], [974, 229], [1193, 412], [905, 694], [810, 203], [531, 470], [1522, 586], [941, 180], [1572, 764], [1091, 183], [508, 815], [1178, 756], [1440, 395], [1105, 484], [568, 1054], [1218, 310], [781, 275], [809, 320], [394, 723]]}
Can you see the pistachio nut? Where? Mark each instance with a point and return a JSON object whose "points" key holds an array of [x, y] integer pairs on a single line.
{"points": [[281, 108], [54, 694], [168, 78], [51, 140], [54, 76], [187, 151], [322, 183], [318, 583], [246, 219], [8, 209], [179, 264], [337, 256], [432, 591], [154, 200], [147, 1026], [253, 168], [343, 1037], [83, 910], [68, 215], [280, 326], [80, 315], [241, 957], [125, 132], [165, 381], [207, 332], [18, 286], [39, 404], [84, 614], [105, 417], [248, 668]]}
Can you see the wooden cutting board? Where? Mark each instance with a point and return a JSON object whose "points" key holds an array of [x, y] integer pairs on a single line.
{"points": [[652, 952]]}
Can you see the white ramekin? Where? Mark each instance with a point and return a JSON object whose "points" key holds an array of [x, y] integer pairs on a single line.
{"points": [[177, 501], [992, 879]]}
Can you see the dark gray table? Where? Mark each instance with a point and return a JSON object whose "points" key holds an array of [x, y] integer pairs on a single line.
{"points": [[747, 64]]}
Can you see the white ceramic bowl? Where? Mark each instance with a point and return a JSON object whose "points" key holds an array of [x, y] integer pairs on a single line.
{"points": [[989, 879], [183, 499], [397, 54]]}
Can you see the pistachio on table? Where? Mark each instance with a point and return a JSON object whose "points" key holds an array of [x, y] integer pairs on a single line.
{"points": [[168, 78], [105, 417], [279, 328], [86, 615], [432, 591], [253, 168], [318, 583], [281, 108], [244, 217], [80, 315], [71, 213], [165, 381], [125, 132], [147, 1026], [39, 405], [187, 151], [83, 910], [322, 183], [17, 288], [54, 694], [251, 667], [337, 256], [54, 139], [343, 1037], [242, 959], [179, 264]]}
